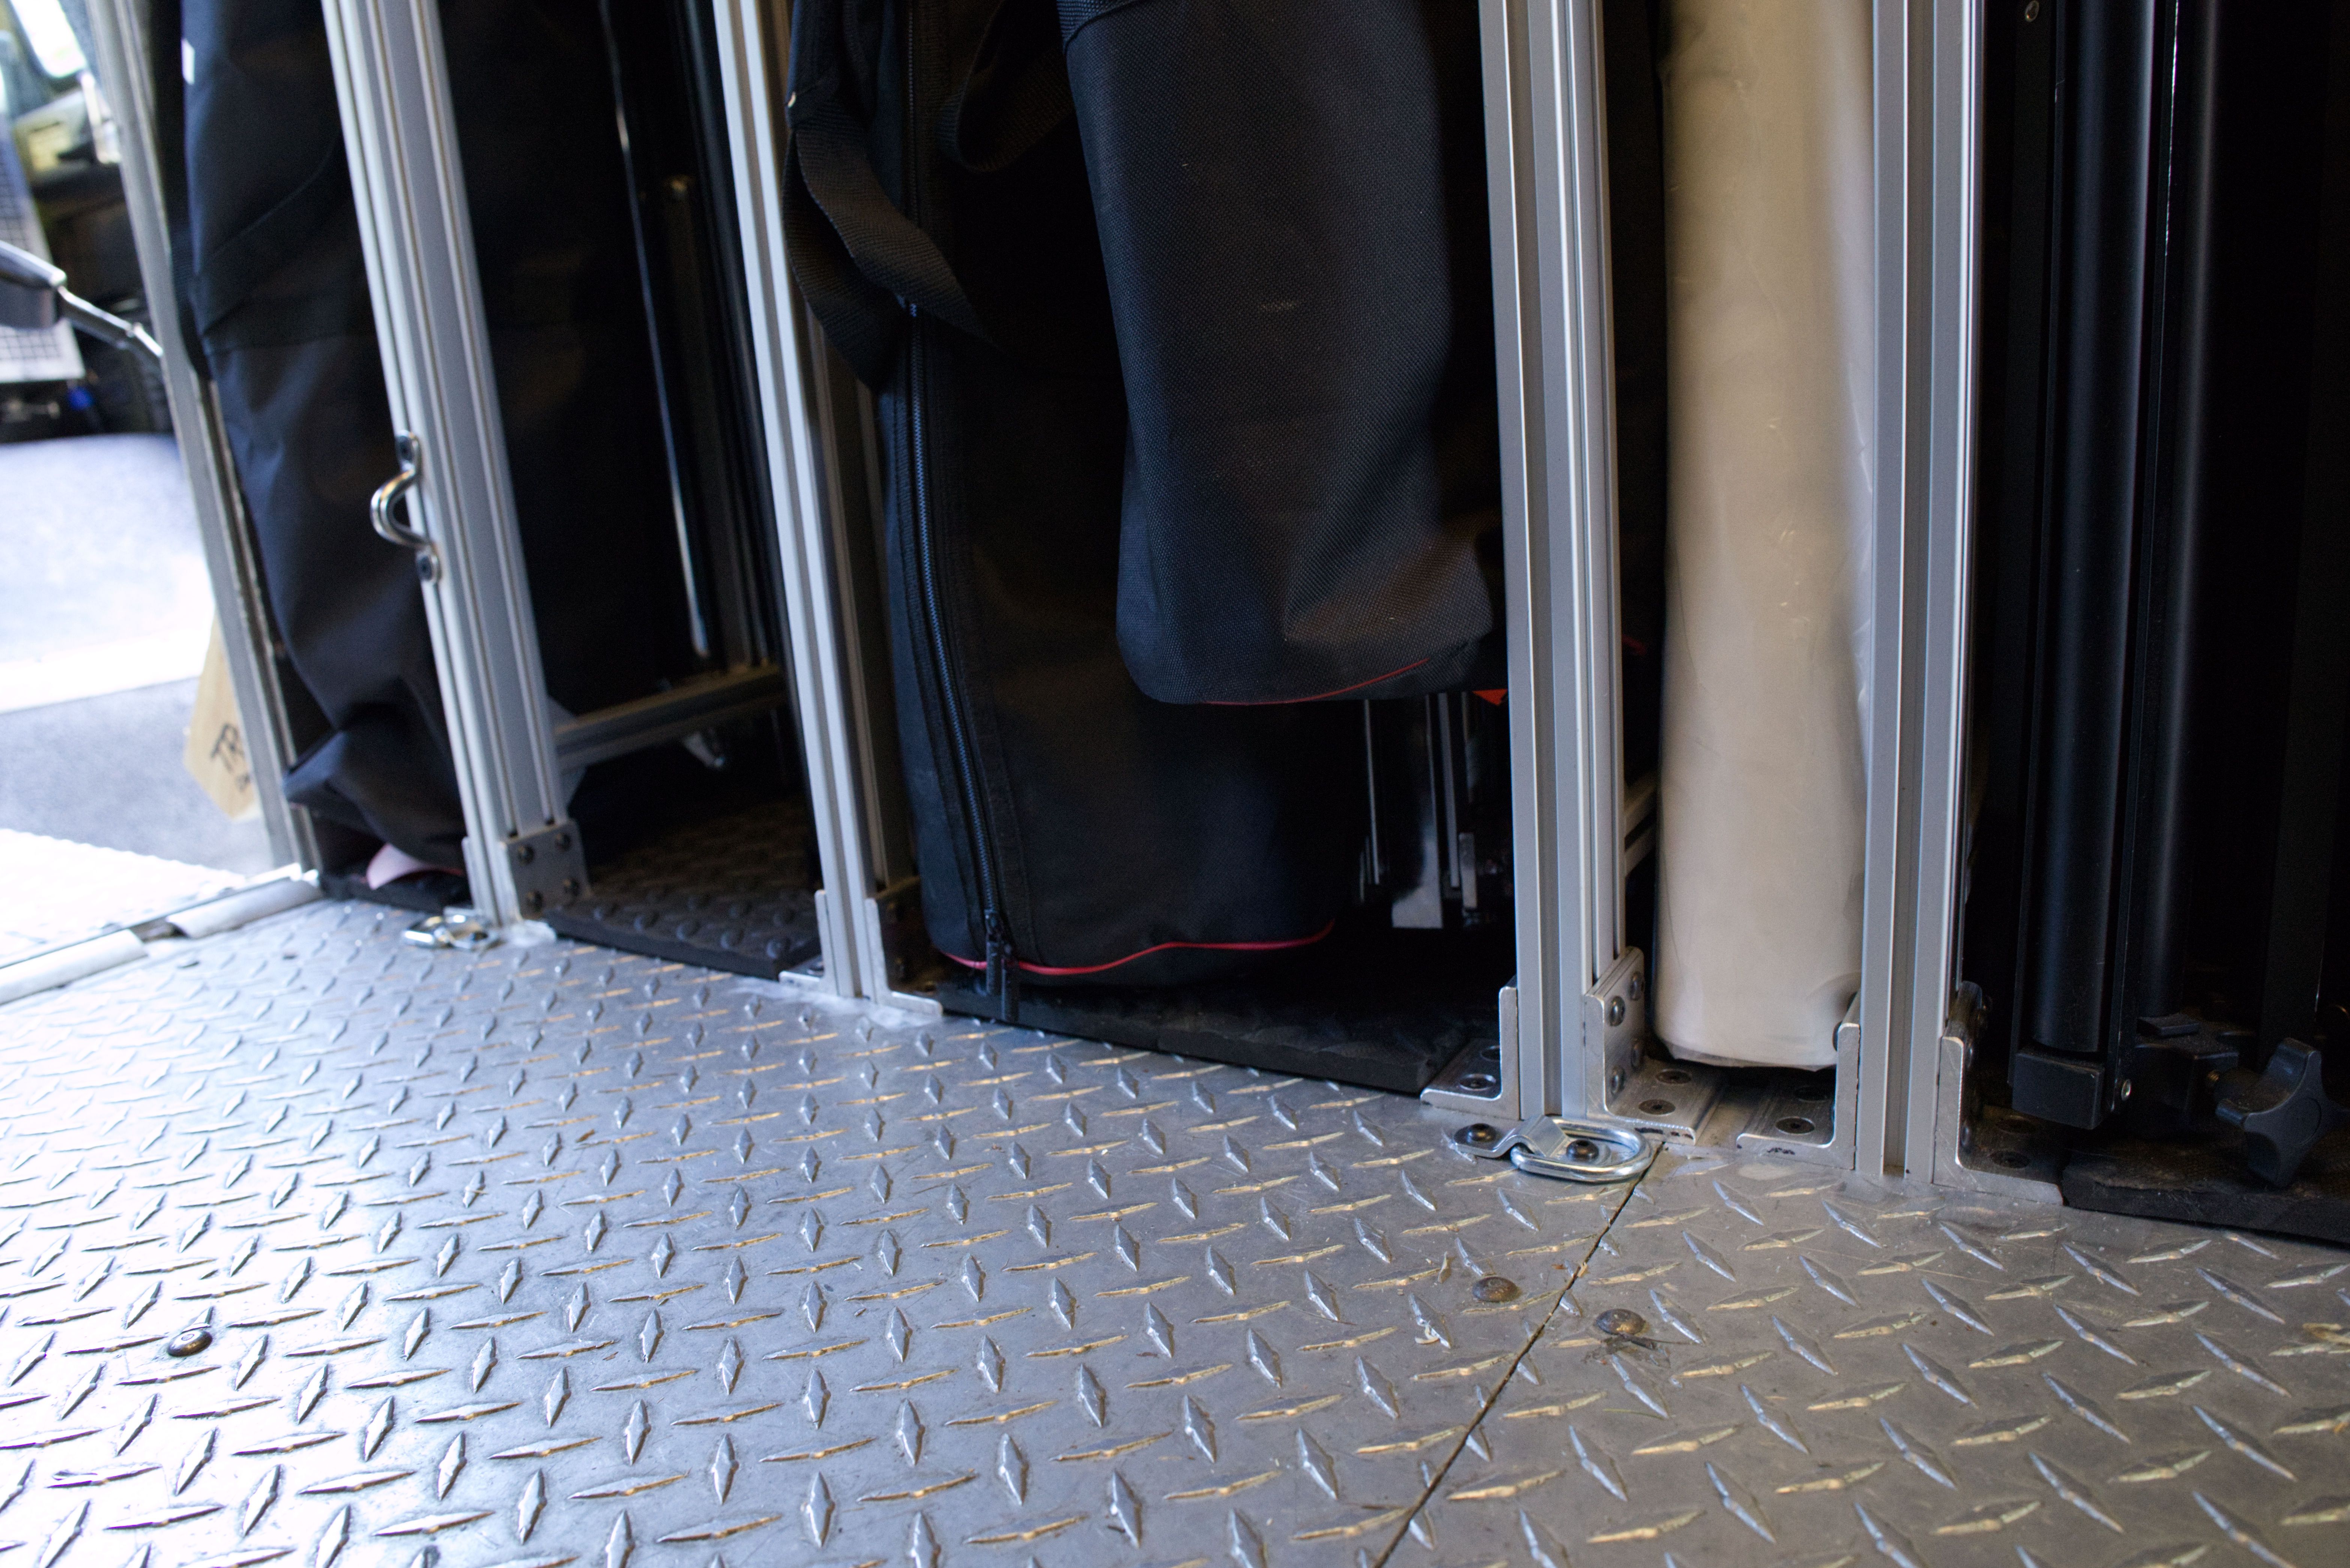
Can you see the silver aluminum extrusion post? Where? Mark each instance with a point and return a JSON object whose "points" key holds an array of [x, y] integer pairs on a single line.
{"points": [[1577, 1011], [1928, 113], [1547, 195], [750, 68], [229, 558], [521, 851]]}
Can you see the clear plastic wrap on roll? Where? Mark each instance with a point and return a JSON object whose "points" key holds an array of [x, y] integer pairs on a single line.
{"points": [[1764, 774]]}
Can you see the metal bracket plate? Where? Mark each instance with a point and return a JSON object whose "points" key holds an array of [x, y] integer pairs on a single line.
{"points": [[2002, 1154], [546, 868], [1615, 1019], [1794, 1121], [1668, 1098], [1478, 1080], [889, 922]]}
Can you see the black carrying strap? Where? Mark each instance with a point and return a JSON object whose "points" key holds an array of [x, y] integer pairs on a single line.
{"points": [[890, 261], [861, 260]]}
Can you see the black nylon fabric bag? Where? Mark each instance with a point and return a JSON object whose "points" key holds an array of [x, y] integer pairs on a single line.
{"points": [[274, 289], [1291, 201], [1067, 827], [274, 286]]}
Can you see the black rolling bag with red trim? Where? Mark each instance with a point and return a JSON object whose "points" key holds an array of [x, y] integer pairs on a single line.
{"points": [[1067, 827], [1291, 197]]}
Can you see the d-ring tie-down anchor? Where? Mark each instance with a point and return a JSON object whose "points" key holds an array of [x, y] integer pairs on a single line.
{"points": [[390, 493], [1571, 1151]]}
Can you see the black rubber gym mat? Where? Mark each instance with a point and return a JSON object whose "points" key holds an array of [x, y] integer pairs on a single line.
{"points": [[1386, 1010], [2205, 1182], [734, 892]]}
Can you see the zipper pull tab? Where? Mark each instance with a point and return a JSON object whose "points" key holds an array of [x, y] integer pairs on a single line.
{"points": [[1002, 971]]}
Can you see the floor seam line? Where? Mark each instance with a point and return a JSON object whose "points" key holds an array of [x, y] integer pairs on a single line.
{"points": [[1500, 1385]]}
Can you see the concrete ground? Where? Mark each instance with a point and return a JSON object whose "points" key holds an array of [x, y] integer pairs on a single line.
{"points": [[77, 889], [107, 612], [106, 770]]}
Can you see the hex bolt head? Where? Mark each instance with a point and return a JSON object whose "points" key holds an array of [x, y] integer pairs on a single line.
{"points": [[189, 1341], [1495, 1288]]}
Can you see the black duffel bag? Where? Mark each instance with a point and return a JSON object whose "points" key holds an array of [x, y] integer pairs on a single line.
{"points": [[1291, 209], [273, 289], [1067, 827]]}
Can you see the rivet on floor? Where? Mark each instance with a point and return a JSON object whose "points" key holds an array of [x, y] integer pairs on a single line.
{"points": [[1622, 1321], [189, 1341], [1495, 1288]]}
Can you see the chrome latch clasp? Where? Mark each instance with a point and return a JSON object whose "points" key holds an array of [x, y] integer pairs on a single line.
{"points": [[463, 929]]}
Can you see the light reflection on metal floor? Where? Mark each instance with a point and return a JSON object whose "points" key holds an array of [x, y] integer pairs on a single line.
{"points": [[535, 1256]]}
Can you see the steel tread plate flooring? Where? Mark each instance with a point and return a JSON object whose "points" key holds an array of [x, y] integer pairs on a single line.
{"points": [[541, 1255]]}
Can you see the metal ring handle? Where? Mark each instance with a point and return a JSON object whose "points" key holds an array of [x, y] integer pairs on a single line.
{"points": [[1589, 1154], [1553, 1146], [390, 492]]}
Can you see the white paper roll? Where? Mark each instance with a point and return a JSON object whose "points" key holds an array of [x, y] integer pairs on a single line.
{"points": [[1764, 774]]}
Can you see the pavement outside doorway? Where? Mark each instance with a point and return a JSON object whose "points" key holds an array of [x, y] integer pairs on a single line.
{"points": [[109, 609]]}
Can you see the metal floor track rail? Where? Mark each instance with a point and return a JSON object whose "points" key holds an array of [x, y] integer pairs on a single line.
{"points": [[317, 1246]]}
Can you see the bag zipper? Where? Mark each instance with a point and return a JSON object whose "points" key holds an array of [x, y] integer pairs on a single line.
{"points": [[1003, 972]]}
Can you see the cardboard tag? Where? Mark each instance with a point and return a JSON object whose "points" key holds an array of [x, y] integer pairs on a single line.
{"points": [[215, 757]]}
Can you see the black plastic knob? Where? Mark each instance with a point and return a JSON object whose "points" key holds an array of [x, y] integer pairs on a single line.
{"points": [[2283, 1111]]}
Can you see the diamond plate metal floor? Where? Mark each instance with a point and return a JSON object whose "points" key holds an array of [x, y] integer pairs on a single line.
{"points": [[536, 1256]]}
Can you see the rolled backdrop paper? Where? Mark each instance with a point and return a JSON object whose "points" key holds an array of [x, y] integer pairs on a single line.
{"points": [[1762, 779]]}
